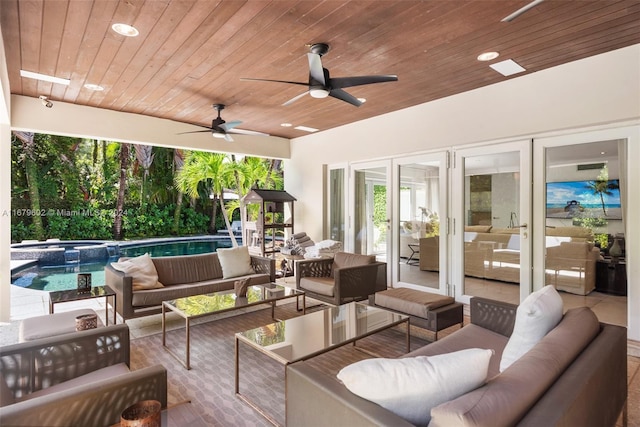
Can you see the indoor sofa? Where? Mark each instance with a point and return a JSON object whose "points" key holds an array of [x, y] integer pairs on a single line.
{"points": [[74, 379], [576, 375], [181, 276], [494, 253]]}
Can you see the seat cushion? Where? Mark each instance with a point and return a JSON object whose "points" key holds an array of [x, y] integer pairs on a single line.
{"points": [[50, 325], [318, 285], [411, 301], [91, 377]]}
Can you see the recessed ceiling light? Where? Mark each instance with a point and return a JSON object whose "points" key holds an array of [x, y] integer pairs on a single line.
{"points": [[306, 128], [125, 30], [44, 77], [286, 125], [603, 153], [507, 67], [488, 56], [92, 86]]}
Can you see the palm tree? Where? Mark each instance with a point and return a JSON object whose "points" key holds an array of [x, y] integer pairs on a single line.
{"points": [[178, 163], [144, 156], [124, 164], [212, 170], [603, 187]]}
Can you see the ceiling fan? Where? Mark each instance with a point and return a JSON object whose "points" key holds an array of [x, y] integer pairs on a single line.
{"points": [[321, 84], [221, 129]]}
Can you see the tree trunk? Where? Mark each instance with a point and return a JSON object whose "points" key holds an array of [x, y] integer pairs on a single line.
{"points": [[176, 214], [234, 243], [31, 170], [124, 163], [214, 212]]}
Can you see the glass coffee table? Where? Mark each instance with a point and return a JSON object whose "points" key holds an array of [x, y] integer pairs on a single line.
{"points": [[57, 297], [197, 306], [310, 335]]}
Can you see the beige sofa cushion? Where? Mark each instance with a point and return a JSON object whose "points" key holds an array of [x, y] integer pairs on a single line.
{"points": [[142, 271], [175, 270], [319, 285], [345, 259], [528, 378], [411, 301], [235, 262]]}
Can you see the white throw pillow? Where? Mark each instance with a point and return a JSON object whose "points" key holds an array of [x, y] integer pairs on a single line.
{"points": [[539, 313], [409, 387], [142, 271], [235, 262]]}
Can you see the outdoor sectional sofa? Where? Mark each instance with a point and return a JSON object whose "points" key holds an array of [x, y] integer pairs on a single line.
{"points": [[575, 376], [494, 253], [181, 276]]}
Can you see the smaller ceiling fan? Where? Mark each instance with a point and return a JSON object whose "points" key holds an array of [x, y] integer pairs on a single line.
{"points": [[221, 129], [321, 84]]}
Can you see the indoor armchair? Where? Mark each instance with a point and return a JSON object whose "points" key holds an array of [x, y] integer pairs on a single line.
{"points": [[344, 278], [76, 379]]}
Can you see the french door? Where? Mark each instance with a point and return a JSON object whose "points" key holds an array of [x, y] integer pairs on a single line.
{"points": [[491, 207], [370, 209], [420, 221]]}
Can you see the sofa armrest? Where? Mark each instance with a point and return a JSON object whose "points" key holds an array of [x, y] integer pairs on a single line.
{"points": [[313, 268], [316, 399], [360, 280], [496, 316], [264, 265], [52, 360], [96, 404], [122, 285]]}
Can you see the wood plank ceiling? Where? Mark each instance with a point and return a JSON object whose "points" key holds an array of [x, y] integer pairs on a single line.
{"points": [[191, 54]]}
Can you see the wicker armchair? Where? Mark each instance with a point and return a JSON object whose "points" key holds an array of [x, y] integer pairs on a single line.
{"points": [[346, 277], [75, 379]]}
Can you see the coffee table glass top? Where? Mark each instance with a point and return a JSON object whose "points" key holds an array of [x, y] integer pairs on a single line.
{"points": [[305, 336], [202, 305], [75, 295]]}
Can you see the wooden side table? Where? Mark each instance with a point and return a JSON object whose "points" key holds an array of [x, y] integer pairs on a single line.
{"points": [[611, 276]]}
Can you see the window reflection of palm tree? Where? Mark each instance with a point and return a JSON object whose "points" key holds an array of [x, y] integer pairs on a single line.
{"points": [[603, 187]]}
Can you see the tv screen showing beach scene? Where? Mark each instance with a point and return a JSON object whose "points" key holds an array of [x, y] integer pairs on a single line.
{"points": [[584, 199]]}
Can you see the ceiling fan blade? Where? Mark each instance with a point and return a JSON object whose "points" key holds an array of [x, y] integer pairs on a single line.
{"points": [[316, 72], [194, 131], [294, 99], [248, 132], [274, 81], [343, 82], [230, 125], [344, 96], [228, 138]]}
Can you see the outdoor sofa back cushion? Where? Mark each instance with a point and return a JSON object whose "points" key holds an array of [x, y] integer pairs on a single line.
{"points": [[345, 259], [178, 270]]}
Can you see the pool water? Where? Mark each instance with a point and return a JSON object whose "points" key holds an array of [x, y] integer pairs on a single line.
{"points": [[63, 277]]}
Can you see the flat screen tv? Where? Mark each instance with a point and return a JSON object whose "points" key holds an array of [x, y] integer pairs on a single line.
{"points": [[584, 199]]}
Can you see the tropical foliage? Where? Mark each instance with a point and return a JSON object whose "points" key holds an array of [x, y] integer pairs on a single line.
{"points": [[73, 188]]}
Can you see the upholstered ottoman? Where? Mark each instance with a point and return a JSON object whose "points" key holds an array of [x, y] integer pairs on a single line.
{"points": [[430, 311], [49, 325]]}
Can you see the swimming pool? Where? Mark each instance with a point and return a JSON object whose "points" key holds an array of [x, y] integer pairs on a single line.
{"points": [[62, 277]]}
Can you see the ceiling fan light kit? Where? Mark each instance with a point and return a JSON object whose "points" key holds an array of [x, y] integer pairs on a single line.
{"points": [[321, 85]]}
